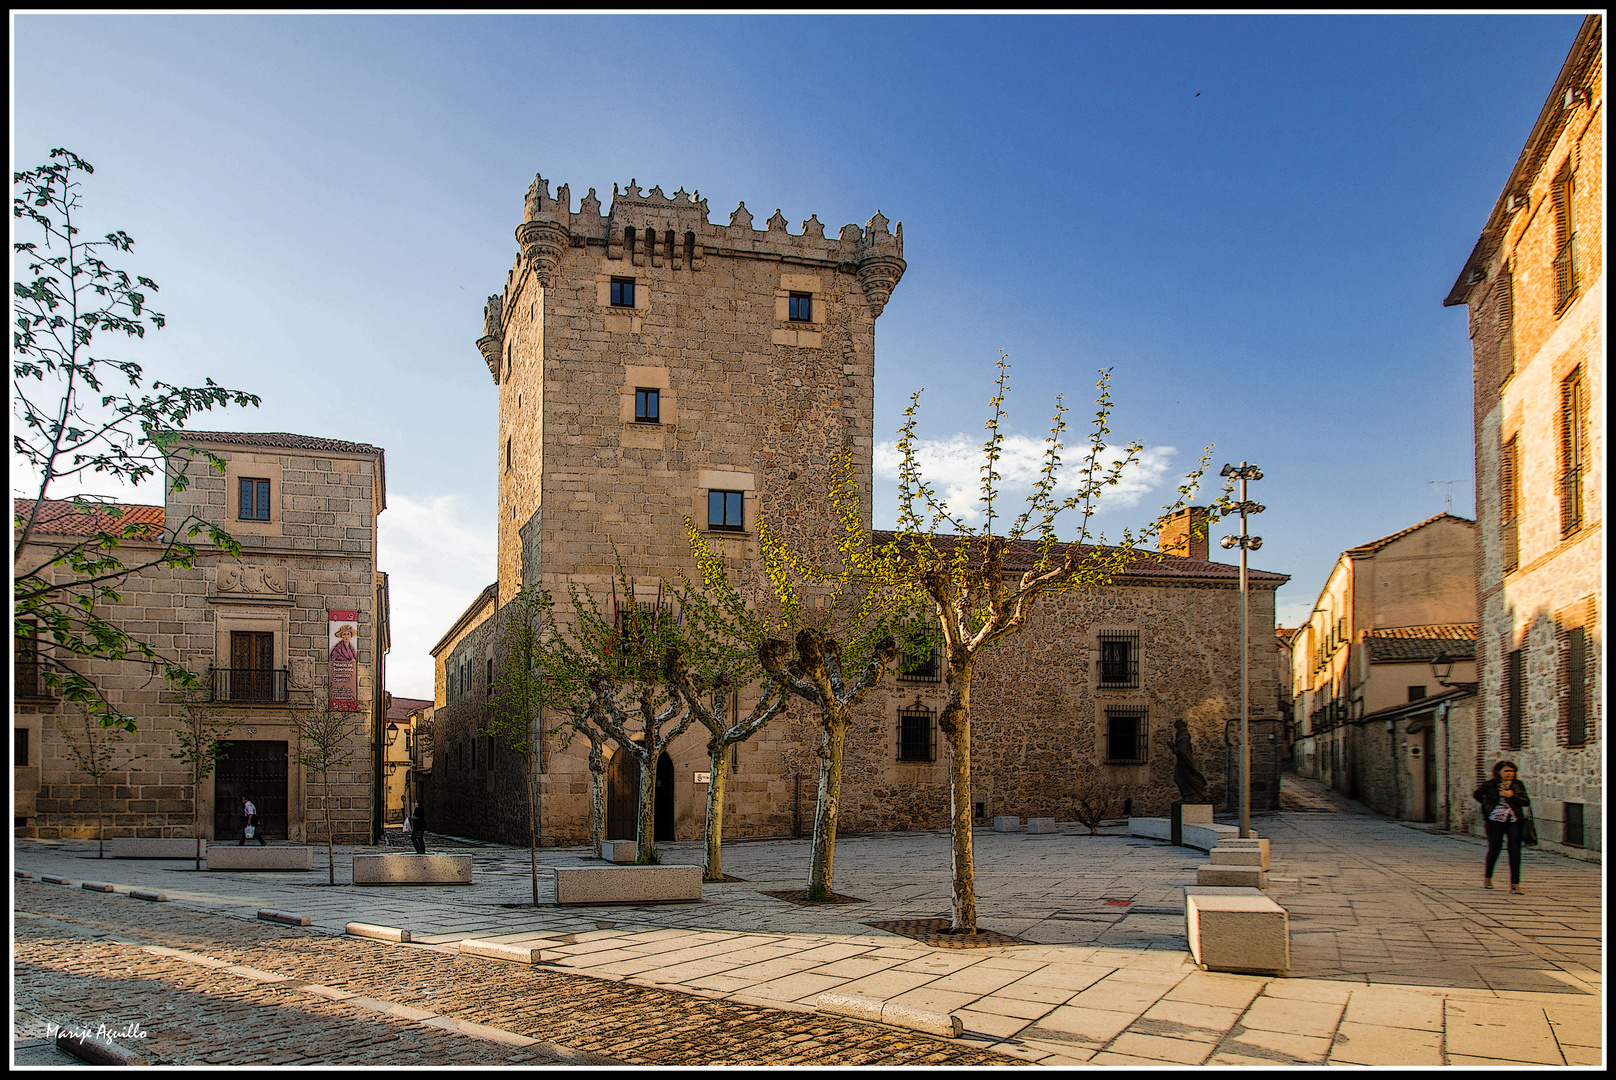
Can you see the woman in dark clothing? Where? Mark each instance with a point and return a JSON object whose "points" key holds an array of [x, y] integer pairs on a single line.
{"points": [[418, 829], [1503, 808]]}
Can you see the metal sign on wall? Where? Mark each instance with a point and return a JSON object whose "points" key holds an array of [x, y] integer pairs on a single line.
{"points": [[343, 677]]}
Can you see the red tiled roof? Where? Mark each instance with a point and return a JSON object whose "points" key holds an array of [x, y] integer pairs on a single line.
{"points": [[401, 707], [1433, 632], [283, 440], [1375, 545], [59, 517], [1023, 553]]}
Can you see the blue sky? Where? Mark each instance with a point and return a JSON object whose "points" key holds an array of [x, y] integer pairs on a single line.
{"points": [[1252, 219]]}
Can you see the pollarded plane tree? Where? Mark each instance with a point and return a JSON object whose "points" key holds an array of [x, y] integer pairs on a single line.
{"points": [[515, 715], [80, 417], [982, 587], [843, 636]]}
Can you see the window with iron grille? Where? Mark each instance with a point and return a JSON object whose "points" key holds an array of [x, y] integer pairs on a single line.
{"points": [[924, 666], [19, 746], [622, 291], [25, 668], [490, 680], [647, 405], [917, 734], [1573, 450], [254, 502], [1515, 700], [1119, 659], [1574, 685], [1509, 502], [1126, 731]]}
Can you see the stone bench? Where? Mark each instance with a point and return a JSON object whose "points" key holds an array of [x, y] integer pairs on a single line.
{"points": [[627, 884], [1207, 837], [1007, 824], [1237, 930], [153, 847], [1236, 852], [1041, 825], [619, 851], [1224, 876], [1156, 828], [412, 870], [260, 858]]}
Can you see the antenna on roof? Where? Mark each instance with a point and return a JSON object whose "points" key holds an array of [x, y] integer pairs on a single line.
{"points": [[1450, 484]]}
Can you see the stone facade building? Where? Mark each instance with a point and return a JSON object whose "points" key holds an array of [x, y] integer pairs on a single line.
{"points": [[653, 367], [1534, 286], [1364, 691], [259, 629]]}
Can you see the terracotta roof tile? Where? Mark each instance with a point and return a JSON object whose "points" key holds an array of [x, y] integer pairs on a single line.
{"points": [[1375, 545], [59, 517], [1023, 553], [281, 439], [1433, 632], [1403, 644], [401, 707]]}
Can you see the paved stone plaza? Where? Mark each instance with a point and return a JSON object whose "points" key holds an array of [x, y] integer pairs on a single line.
{"points": [[1399, 957]]}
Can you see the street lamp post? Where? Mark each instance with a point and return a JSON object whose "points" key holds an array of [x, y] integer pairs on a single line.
{"points": [[1245, 542]]}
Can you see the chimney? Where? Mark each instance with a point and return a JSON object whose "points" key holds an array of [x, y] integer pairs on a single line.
{"points": [[1176, 534]]}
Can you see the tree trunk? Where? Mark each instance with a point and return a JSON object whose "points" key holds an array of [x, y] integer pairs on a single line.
{"points": [[597, 800], [532, 830], [100, 825], [330, 841], [719, 764], [832, 741], [645, 849], [196, 818], [956, 724]]}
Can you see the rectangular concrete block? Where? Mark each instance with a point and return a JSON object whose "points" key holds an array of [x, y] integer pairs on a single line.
{"points": [[1007, 824], [1231, 877], [380, 933], [1236, 852], [153, 847], [627, 884], [284, 918], [1237, 930], [619, 851], [261, 858], [1196, 813], [1156, 828], [499, 950], [412, 869], [1207, 837], [1040, 824]]}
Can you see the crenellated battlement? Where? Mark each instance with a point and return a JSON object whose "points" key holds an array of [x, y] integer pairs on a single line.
{"points": [[652, 228]]}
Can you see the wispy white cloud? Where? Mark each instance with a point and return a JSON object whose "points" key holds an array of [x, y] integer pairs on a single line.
{"points": [[436, 563], [953, 468]]}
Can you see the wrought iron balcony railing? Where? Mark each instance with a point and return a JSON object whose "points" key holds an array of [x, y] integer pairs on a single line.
{"points": [[249, 685]]}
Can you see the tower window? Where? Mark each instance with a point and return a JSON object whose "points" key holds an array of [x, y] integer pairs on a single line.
{"points": [[647, 405], [622, 292], [724, 511], [801, 307]]}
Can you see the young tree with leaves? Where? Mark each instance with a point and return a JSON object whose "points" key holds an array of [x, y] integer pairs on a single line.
{"points": [[201, 737], [71, 422], [93, 746], [976, 600], [325, 743]]}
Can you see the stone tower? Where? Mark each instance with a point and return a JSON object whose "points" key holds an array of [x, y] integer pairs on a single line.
{"points": [[653, 366]]}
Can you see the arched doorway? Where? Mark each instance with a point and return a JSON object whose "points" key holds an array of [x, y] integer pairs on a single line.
{"points": [[663, 829], [622, 796]]}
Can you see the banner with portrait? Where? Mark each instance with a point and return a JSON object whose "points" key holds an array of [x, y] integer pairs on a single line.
{"points": [[343, 677]]}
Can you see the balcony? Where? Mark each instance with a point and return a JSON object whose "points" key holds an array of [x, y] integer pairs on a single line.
{"points": [[249, 686]]}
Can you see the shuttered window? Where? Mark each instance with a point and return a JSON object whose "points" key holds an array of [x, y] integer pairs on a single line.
{"points": [[1509, 503], [1515, 701], [1565, 241], [1503, 305], [1573, 450]]}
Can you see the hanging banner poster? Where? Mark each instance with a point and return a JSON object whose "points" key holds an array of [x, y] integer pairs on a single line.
{"points": [[343, 677]]}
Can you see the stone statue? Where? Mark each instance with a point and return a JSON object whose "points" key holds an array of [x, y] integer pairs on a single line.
{"points": [[1186, 774]]}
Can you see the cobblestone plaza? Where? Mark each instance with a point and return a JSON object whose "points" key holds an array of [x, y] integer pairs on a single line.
{"points": [[1398, 958]]}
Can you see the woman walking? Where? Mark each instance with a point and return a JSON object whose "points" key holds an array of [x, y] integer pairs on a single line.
{"points": [[1503, 807]]}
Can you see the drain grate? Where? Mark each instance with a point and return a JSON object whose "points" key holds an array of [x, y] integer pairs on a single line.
{"points": [[935, 932]]}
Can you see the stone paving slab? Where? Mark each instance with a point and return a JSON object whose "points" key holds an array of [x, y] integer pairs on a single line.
{"points": [[1391, 931]]}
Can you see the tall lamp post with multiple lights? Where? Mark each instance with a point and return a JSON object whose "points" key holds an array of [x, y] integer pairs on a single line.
{"points": [[1245, 542]]}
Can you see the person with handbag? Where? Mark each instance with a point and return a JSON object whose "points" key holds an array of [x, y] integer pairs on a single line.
{"points": [[1504, 809], [250, 830]]}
